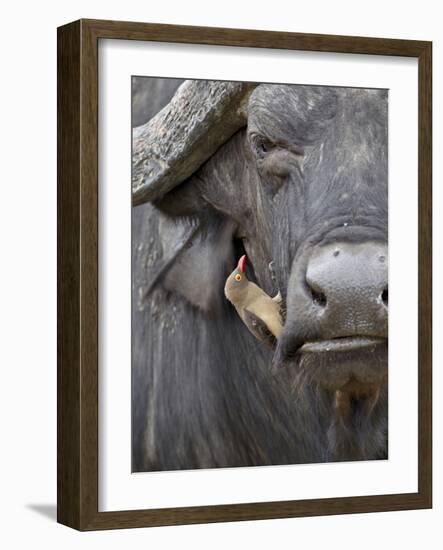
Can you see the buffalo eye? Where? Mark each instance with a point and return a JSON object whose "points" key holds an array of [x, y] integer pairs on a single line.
{"points": [[261, 145], [276, 161]]}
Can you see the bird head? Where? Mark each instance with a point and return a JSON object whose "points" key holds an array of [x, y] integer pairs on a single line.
{"points": [[237, 281]]}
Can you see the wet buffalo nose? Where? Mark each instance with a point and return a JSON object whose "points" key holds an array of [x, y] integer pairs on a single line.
{"points": [[348, 286]]}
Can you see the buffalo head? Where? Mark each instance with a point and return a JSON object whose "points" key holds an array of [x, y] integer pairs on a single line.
{"points": [[296, 178]]}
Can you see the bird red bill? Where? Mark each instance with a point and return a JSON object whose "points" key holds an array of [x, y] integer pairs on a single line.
{"points": [[242, 263]]}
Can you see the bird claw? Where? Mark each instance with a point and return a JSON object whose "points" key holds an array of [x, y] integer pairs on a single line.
{"points": [[272, 270]]}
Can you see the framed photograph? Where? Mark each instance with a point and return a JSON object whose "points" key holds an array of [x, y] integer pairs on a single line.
{"points": [[237, 212]]}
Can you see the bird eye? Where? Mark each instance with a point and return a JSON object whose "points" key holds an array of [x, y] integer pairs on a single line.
{"points": [[238, 277]]}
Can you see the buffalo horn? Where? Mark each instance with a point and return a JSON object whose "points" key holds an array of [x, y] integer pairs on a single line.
{"points": [[170, 147]]}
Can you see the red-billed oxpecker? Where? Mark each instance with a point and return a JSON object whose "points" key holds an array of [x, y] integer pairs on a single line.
{"points": [[259, 312]]}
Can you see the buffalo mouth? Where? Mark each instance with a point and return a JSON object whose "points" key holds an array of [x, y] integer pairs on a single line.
{"points": [[355, 365], [343, 344]]}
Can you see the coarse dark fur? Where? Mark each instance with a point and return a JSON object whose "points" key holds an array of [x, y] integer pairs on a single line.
{"points": [[311, 161]]}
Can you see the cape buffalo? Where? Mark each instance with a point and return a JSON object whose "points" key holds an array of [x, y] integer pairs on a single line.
{"points": [[296, 178]]}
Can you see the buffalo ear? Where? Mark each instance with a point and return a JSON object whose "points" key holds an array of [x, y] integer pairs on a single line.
{"points": [[200, 269], [183, 246]]}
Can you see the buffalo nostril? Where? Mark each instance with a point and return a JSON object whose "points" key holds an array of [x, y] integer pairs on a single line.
{"points": [[384, 296], [318, 297]]}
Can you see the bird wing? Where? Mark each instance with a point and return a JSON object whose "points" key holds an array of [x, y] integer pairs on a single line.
{"points": [[268, 311], [258, 328]]}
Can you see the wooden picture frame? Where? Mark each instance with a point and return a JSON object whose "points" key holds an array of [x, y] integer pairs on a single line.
{"points": [[77, 456]]}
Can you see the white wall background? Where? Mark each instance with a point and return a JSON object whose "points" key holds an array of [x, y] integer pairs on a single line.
{"points": [[28, 271]]}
